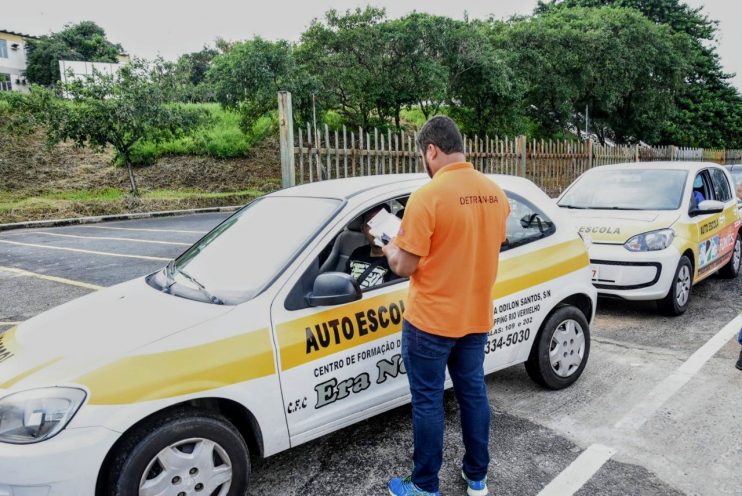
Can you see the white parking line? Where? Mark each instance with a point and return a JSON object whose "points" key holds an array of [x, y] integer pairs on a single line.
{"points": [[107, 238], [144, 229], [579, 471], [45, 277], [89, 252], [642, 411], [9, 323], [595, 456]]}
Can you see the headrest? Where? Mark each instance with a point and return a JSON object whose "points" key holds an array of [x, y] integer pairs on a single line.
{"points": [[356, 224]]}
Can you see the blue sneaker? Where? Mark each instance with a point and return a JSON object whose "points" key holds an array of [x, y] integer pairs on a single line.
{"points": [[475, 488], [405, 487]]}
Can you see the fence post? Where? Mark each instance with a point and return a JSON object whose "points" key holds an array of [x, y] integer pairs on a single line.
{"points": [[286, 132], [522, 147], [589, 153]]}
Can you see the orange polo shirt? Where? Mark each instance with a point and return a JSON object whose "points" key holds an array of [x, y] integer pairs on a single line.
{"points": [[456, 223]]}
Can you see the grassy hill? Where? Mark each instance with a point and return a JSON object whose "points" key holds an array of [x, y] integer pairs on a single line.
{"points": [[214, 166]]}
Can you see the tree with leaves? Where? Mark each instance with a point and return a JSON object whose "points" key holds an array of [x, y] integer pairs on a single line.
{"points": [[85, 41], [119, 110], [248, 76], [625, 68], [709, 107]]}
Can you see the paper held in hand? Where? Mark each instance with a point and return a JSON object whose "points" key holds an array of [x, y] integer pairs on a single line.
{"points": [[384, 227]]}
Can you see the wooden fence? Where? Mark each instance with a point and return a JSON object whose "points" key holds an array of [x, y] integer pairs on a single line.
{"points": [[314, 154], [323, 154]]}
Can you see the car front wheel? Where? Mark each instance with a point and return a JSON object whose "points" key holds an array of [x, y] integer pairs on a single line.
{"points": [[677, 299], [560, 352], [186, 453]]}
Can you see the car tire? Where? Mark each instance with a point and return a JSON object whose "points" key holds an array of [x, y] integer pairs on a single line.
{"points": [[186, 448], [561, 350], [731, 269], [678, 297]]}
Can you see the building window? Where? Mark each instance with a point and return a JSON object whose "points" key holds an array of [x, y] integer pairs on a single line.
{"points": [[5, 84], [3, 49]]}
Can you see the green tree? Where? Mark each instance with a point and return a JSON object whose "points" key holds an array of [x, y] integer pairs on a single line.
{"points": [[118, 110], [344, 53], [709, 107], [627, 69], [485, 95], [248, 76], [84, 41]]}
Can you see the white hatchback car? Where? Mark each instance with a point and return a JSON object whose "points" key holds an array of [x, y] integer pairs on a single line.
{"points": [[657, 228], [255, 340]]}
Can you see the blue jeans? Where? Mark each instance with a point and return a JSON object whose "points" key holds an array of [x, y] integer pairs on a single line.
{"points": [[425, 358], [739, 338]]}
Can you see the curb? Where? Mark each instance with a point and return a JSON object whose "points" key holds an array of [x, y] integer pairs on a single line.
{"points": [[106, 218]]}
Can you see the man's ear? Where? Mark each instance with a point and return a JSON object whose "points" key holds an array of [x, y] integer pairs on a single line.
{"points": [[433, 152]]}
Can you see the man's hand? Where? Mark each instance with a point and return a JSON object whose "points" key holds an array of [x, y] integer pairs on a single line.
{"points": [[402, 263]]}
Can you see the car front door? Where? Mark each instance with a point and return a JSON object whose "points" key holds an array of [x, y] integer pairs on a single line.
{"points": [[709, 230], [342, 363]]}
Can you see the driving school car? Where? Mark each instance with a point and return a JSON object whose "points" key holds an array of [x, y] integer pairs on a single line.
{"points": [[657, 228], [254, 341]]}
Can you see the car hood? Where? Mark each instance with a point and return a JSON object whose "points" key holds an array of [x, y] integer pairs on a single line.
{"points": [[61, 344], [618, 226]]}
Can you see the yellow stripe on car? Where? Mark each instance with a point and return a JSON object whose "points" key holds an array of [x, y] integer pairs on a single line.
{"points": [[321, 334], [185, 371]]}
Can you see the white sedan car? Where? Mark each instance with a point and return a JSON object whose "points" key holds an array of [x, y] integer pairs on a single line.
{"points": [[657, 228], [256, 340]]}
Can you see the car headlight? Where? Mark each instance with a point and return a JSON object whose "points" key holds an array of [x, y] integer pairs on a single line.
{"points": [[651, 241], [38, 414]]}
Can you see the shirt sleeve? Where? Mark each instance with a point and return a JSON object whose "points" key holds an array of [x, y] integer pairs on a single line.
{"points": [[506, 212], [417, 226]]}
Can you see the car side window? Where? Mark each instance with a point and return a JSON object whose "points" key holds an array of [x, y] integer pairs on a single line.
{"points": [[526, 223], [722, 191], [349, 252], [702, 189]]}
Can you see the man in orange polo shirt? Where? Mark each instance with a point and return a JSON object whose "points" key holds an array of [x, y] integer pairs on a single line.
{"points": [[449, 246]]}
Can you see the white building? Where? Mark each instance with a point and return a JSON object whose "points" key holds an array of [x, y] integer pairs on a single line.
{"points": [[13, 61]]}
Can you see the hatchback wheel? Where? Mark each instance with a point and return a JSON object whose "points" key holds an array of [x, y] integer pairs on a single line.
{"points": [[677, 299], [731, 269]]}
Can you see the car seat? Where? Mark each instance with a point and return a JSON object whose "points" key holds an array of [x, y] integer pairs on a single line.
{"points": [[348, 240]]}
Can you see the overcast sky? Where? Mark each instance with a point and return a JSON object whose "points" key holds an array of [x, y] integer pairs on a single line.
{"points": [[167, 27]]}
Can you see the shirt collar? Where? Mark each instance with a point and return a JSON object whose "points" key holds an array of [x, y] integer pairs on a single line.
{"points": [[453, 167]]}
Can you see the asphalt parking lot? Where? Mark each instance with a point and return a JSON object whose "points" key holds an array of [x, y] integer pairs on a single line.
{"points": [[689, 443]]}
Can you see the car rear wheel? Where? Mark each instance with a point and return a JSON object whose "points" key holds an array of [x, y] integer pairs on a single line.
{"points": [[677, 299], [731, 269], [560, 352], [186, 453]]}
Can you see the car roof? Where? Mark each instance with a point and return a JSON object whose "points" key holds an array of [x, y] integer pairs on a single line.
{"points": [[669, 165], [349, 187]]}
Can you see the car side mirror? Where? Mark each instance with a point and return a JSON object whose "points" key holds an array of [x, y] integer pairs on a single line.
{"points": [[708, 207], [334, 288]]}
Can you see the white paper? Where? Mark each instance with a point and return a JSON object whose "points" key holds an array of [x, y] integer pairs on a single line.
{"points": [[384, 227]]}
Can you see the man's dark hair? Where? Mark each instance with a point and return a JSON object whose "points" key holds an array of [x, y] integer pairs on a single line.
{"points": [[442, 132]]}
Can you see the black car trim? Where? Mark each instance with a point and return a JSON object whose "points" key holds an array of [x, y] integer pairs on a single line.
{"points": [[656, 265]]}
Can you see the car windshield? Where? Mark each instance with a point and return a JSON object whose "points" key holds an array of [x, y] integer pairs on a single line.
{"points": [[737, 176], [236, 260], [627, 189]]}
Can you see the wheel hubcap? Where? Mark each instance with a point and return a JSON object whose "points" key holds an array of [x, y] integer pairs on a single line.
{"points": [[737, 254], [567, 348], [193, 467], [682, 286]]}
